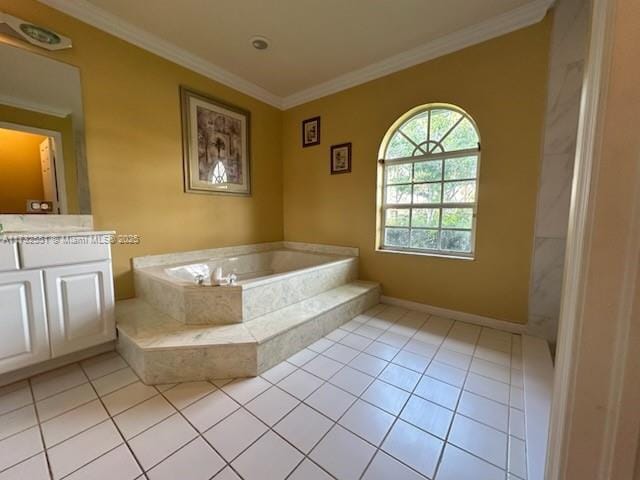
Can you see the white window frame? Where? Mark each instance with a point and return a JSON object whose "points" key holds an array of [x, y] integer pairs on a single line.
{"points": [[382, 184]]}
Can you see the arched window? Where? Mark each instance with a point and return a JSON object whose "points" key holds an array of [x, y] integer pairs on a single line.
{"points": [[428, 177]]}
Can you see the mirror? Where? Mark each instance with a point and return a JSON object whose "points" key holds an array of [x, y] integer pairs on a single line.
{"points": [[43, 169]]}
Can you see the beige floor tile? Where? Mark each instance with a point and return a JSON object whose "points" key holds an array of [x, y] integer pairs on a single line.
{"points": [[367, 421], [384, 467], [480, 440], [127, 397], [196, 459], [428, 416], [17, 421], [484, 410], [155, 444], [82, 449], [144, 415], [269, 457], [15, 396], [457, 464], [56, 381], [34, 468], [184, 394], [103, 364], [303, 427], [118, 464], [272, 405], [244, 390], [308, 470], [343, 454], [114, 381], [209, 410], [413, 447], [235, 433], [63, 402], [73, 422], [20, 447]]}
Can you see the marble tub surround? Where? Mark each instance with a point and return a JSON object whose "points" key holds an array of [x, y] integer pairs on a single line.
{"points": [[194, 256], [163, 350], [267, 281], [320, 248], [566, 68], [46, 223]]}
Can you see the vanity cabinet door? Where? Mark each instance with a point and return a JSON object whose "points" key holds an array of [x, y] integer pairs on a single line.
{"points": [[23, 322], [80, 306]]}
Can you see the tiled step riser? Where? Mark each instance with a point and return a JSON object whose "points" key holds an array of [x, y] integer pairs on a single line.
{"points": [[189, 364], [220, 306], [238, 360], [277, 349], [276, 295]]}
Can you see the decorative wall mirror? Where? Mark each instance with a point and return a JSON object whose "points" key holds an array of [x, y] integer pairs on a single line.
{"points": [[43, 168]]}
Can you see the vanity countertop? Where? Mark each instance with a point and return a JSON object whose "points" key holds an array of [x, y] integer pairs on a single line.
{"points": [[32, 224]]}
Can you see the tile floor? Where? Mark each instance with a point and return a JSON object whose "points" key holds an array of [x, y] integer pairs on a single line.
{"points": [[392, 394]]}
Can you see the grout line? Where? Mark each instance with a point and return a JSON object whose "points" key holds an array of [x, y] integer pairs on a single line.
{"points": [[299, 402], [115, 424], [96, 458], [446, 438], [9, 467], [397, 417], [44, 445]]}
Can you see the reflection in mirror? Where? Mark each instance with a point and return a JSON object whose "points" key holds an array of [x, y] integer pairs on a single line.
{"points": [[42, 160]]}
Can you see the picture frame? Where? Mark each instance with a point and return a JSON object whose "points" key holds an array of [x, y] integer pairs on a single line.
{"points": [[311, 132], [340, 158], [216, 145]]}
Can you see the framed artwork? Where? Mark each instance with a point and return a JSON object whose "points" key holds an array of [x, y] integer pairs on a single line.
{"points": [[341, 158], [311, 132], [215, 143]]}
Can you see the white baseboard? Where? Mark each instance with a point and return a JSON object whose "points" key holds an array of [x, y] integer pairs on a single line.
{"points": [[456, 315]]}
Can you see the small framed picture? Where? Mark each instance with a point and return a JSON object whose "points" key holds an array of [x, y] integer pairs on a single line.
{"points": [[311, 132], [341, 158]]}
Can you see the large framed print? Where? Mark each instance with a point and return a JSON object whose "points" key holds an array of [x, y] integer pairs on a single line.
{"points": [[215, 139]]}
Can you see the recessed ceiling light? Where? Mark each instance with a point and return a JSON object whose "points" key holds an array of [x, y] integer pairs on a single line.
{"points": [[260, 43]]}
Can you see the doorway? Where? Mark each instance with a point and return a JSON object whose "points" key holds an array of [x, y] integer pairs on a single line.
{"points": [[32, 169]]}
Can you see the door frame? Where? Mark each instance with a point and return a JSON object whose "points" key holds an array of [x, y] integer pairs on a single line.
{"points": [[614, 416], [58, 158]]}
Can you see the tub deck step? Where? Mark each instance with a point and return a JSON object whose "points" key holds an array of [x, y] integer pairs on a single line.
{"points": [[163, 350]]}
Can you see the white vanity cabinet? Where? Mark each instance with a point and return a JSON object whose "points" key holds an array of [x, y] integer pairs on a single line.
{"points": [[23, 328], [54, 302], [79, 306]]}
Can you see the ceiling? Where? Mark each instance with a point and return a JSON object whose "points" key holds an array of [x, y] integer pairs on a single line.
{"points": [[312, 43]]}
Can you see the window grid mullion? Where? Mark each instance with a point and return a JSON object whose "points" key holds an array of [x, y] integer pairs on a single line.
{"points": [[441, 205], [470, 152], [413, 172]]}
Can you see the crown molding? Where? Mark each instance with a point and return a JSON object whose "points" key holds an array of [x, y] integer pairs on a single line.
{"points": [[99, 18], [521, 17], [515, 19]]}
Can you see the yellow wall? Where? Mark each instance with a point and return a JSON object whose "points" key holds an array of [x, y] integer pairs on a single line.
{"points": [[502, 84], [57, 124], [132, 121], [134, 156], [19, 170]]}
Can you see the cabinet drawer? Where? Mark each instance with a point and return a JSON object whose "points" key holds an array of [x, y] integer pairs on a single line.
{"points": [[8, 257], [68, 250]]}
